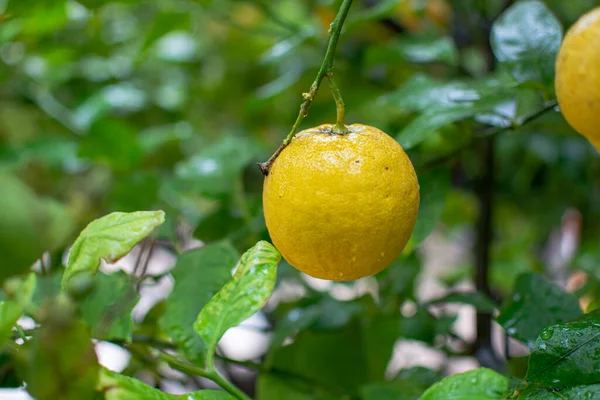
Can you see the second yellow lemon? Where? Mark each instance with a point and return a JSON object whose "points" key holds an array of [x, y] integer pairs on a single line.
{"points": [[341, 207], [578, 77]]}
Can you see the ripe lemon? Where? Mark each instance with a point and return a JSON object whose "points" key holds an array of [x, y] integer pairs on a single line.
{"points": [[578, 77], [341, 207]]}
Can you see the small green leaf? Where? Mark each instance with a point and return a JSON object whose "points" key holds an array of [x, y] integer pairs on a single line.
{"points": [[107, 309], [29, 225], [120, 387], [198, 274], [567, 354], [527, 37], [10, 312], [434, 185], [110, 238], [534, 304], [480, 384], [20, 294], [241, 297]]}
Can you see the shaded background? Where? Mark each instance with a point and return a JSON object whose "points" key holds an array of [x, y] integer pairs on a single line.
{"points": [[168, 104]]}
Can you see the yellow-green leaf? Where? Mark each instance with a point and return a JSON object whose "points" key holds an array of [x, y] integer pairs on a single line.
{"points": [[109, 238], [241, 297]]}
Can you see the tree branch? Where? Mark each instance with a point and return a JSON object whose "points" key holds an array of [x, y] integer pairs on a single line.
{"points": [[325, 70]]}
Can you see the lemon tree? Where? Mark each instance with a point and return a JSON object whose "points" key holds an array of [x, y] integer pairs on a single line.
{"points": [[422, 223]]}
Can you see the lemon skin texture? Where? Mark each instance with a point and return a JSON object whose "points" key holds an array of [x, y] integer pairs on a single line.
{"points": [[578, 76], [341, 207]]}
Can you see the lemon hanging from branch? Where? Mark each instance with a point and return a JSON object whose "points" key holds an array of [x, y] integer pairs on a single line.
{"points": [[341, 207], [578, 77], [340, 201]]}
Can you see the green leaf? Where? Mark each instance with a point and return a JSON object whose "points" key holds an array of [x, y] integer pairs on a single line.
{"points": [[434, 185], [28, 226], [120, 387], [567, 354], [110, 238], [591, 392], [198, 274], [430, 121], [295, 320], [327, 313], [409, 384], [341, 354], [415, 50], [480, 301], [398, 280], [107, 309], [422, 93], [241, 297], [348, 357], [527, 37], [534, 304], [480, 384], [59, 361], [20, 294], [10, 312]]}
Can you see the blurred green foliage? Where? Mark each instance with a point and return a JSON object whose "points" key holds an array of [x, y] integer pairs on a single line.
{"points": [[127, 105]]}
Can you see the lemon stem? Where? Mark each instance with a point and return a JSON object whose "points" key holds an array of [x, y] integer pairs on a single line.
{"points": [[340, 107], [325, 71]]}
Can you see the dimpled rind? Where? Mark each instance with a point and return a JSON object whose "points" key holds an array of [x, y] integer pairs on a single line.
{"points": [[341, 207], [578, 76]]}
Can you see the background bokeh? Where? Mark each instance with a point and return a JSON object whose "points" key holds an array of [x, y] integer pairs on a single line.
{"points": [[126, 105]]}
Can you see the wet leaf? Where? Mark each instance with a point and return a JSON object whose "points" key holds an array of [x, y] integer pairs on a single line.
{"points": [[109, 238], [199, 274], [242, 296], [480, 384], [527, 38], [120, 387], [534, 304], [567, 354]]}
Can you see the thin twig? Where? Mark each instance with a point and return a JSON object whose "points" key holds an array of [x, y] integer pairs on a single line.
{"points": [[340, 126], [213, 375], [144, 267], [325, 70]]}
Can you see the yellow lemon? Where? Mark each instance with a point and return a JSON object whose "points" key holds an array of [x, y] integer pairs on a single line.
{"points": [[341, 207], [578, 77]]}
